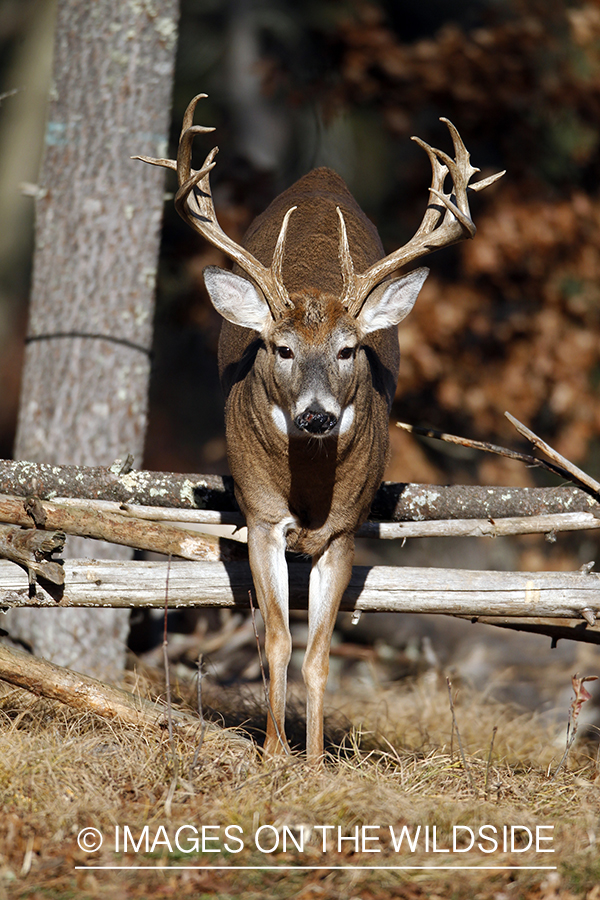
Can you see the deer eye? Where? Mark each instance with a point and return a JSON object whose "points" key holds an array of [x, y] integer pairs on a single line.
{"points": [[285, 352], [346, 353]]}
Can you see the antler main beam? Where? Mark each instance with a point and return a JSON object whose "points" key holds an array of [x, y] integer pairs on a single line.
{"points": [[441, 225], [194, 204]]}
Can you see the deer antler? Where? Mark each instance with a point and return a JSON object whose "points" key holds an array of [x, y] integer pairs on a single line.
{"points": [[441, 226], [194, 204]]}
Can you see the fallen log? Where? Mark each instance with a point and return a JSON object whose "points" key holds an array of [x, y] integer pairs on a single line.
{"points": [[499, 527], [145, 528], [136, 583], [396, 502], [45, 679]]}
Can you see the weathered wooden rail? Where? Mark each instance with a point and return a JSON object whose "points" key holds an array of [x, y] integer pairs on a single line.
{"points": [[394, 502], [131, 507], [99, 583]]}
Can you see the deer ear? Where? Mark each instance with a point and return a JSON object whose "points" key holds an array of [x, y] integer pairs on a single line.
{"points": [[391, 302], [236, 298]]}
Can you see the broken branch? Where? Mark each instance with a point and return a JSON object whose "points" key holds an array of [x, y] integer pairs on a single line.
{"points": [[117, 529], [32, 549], [486, 447], [574, 473]]}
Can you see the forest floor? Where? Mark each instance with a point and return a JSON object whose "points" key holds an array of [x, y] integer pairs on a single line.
{"points": [[394, 813]]}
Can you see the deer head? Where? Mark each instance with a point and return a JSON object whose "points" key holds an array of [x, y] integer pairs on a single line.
{"points": [[310, 348]]}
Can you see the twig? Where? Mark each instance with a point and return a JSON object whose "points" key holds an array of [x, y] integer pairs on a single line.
{"points": [[489, 760], [6, 94], [199, 688], [460, 746], [264, 677], [194, 762], [175, 759], [201, 717], [172, 789], [573, 472], [166, 660], [485, 446]]}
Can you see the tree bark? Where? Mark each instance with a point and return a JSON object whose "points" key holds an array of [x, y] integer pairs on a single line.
{"points": [[98, 216]]}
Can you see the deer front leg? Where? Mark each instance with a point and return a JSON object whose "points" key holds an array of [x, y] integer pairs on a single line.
{"points": [[329, 579], [266, 549]]}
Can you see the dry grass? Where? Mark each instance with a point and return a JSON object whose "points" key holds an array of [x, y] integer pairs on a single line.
{"points": [[397, 765]]}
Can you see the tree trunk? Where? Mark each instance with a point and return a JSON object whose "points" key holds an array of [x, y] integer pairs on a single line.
{"points": [[98, 216]]}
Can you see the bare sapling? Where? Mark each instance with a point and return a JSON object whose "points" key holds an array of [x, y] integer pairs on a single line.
{"points": [[308, 360]]}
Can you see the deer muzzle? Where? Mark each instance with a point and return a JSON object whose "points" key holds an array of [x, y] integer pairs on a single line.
{"points": [[315, 421]]}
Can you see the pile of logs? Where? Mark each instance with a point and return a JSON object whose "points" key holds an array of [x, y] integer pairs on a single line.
{"points": [[40, 504]]}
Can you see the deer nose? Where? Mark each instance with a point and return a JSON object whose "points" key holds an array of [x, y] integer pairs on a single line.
{"points": [[315, 421]]}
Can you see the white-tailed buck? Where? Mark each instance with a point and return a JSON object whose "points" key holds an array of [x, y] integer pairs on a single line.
{"points": [[308, 359]]}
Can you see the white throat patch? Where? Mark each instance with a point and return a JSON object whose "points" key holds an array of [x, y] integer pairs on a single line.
{"points": [[346, 419], [281, 419]]}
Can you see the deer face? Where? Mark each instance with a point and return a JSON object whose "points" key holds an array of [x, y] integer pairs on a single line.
{"points": [[311, 354], [312, 359]]}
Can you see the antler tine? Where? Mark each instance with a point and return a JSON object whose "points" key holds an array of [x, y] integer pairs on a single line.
{"points": [[346, 263], [188, 190], [277, 262], [485, 182], [439, 228], [438, 177], [188, 118], [155, 161], [194, 204], [461, 171], [186, 139], [184, 152]]}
